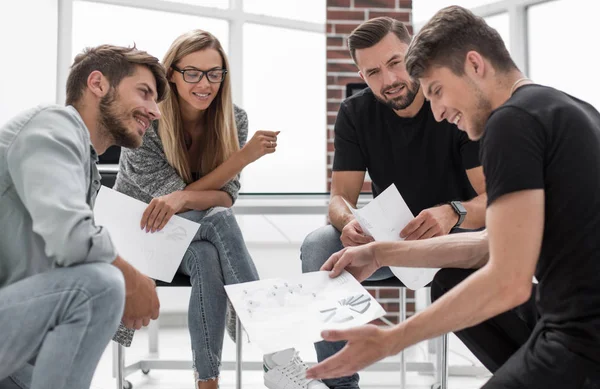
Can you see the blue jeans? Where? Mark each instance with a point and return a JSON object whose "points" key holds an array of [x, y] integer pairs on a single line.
{"points": [[216, 257], [54, 326], [317, 247]]}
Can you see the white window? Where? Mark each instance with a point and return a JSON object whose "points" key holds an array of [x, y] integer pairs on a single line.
{"points": [[284, 89], [562, 52], [151, 31], [29, 50]]}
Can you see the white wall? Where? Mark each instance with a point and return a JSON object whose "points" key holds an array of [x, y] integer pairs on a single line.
{"points": [[28, 36]]}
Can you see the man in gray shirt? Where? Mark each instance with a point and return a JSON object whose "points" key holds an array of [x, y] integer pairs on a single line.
{"points": [[63, 287]]}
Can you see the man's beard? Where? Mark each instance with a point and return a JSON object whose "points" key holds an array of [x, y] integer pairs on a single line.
{"points": [[403, 101], [112, 122]]}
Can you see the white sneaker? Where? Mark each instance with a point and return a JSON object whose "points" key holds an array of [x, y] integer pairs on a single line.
{"points": [[286, 370]]}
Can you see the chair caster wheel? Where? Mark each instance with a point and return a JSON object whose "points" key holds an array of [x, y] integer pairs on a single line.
{"points": [[145, 371], [127, 385]]}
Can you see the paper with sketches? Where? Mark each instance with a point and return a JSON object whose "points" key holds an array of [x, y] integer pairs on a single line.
{"points": [[279, 314], [156, 255], [383, 219]]}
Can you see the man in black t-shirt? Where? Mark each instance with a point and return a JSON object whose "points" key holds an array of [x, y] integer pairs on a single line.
{"points": [[540, 150], [389, 130]]}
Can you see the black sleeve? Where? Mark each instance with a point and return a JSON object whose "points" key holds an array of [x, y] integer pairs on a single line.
{"points": [[348, 155], [512, 152], [469, 151]]}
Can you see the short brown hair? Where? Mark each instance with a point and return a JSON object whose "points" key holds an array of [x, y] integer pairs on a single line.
{"points": [[447, 38], [369, 33], [114, 62]]}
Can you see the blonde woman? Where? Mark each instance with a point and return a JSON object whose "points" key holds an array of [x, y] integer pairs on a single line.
{"points": [[189, 164]]}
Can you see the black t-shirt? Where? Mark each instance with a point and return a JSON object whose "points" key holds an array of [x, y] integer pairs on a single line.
{"points": [[542, 138], [426, 159]]}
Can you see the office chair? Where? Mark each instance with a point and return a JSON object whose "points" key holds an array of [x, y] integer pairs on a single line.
{"points": [[120, 370]]}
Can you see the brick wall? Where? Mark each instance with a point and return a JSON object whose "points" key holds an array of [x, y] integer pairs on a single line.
{"points": [[342, 17]]}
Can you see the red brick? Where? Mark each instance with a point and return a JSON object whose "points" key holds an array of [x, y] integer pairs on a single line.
{"points": [[347, 80], [390, 307], [338, 3], [375, 4], [335, 41], [330, 146], [402, 16], [331, 80], [335, 94], [345, 15], [338, 54], [389, 293], [331, 119], [405, 4], [345, 28], [410, 294], [366, 187], [340, 67], [333, 107], [330, 29]]}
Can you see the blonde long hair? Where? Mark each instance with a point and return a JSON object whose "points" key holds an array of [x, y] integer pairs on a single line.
{"points": [[220, 134]]}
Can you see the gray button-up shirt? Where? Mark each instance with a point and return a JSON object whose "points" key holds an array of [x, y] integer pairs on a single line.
{"points": [[48, 185]]}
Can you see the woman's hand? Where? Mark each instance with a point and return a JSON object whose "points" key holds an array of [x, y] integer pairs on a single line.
{"points": [[263, 142], [161, 209]]}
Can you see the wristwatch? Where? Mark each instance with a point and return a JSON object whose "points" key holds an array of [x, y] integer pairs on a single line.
{"points": [[460, 210]]}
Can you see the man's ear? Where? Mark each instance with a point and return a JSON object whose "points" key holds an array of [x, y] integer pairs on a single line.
{"points": [[362, 77], [98, 84], [475, 66]]}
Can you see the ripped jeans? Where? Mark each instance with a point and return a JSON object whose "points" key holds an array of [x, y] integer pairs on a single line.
{"points": [[216, 257]]}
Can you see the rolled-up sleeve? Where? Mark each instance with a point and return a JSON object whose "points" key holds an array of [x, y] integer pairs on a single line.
{"points": [[47, 163]]}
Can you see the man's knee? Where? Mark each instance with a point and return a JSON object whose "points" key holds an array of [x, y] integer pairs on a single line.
{"points": [[318, 246], [446, 279], [106, 285]]}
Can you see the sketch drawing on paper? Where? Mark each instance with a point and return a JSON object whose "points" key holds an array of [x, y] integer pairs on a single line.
{"points": [[284, 294], [347, 309]]}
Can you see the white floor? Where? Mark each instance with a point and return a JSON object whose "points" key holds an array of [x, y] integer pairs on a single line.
{"points": [[174, 344]]}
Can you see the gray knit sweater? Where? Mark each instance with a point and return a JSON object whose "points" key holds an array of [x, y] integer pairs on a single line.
{"points": [[145, 173]]}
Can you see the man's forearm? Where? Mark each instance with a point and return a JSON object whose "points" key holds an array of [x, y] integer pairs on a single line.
{"points": [[475, 212], [481, 296], [339, 214], [467, 250]]}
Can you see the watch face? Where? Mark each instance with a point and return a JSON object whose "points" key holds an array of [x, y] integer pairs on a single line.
{"points": [[460, 209]]}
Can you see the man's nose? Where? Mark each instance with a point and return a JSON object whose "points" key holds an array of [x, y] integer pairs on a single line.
{"points": [[389, 77], [439, 112], [154, 111]]}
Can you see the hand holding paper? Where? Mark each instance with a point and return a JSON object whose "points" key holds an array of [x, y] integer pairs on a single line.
{"points": [[156, 255], [384, 218]]}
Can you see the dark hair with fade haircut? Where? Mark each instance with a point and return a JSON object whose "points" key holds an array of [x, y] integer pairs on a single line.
{"points": [[371, 32], [115, 63], [447, 38]]}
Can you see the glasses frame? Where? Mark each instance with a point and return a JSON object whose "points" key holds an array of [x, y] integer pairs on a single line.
{"points": [[202, 74]]}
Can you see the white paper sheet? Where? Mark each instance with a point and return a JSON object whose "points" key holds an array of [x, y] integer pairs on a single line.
{"points": [[383, 219], [156, 255], [279, 314]]}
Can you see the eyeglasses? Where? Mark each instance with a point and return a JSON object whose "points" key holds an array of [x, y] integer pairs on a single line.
{"points": [[193, 76]]}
